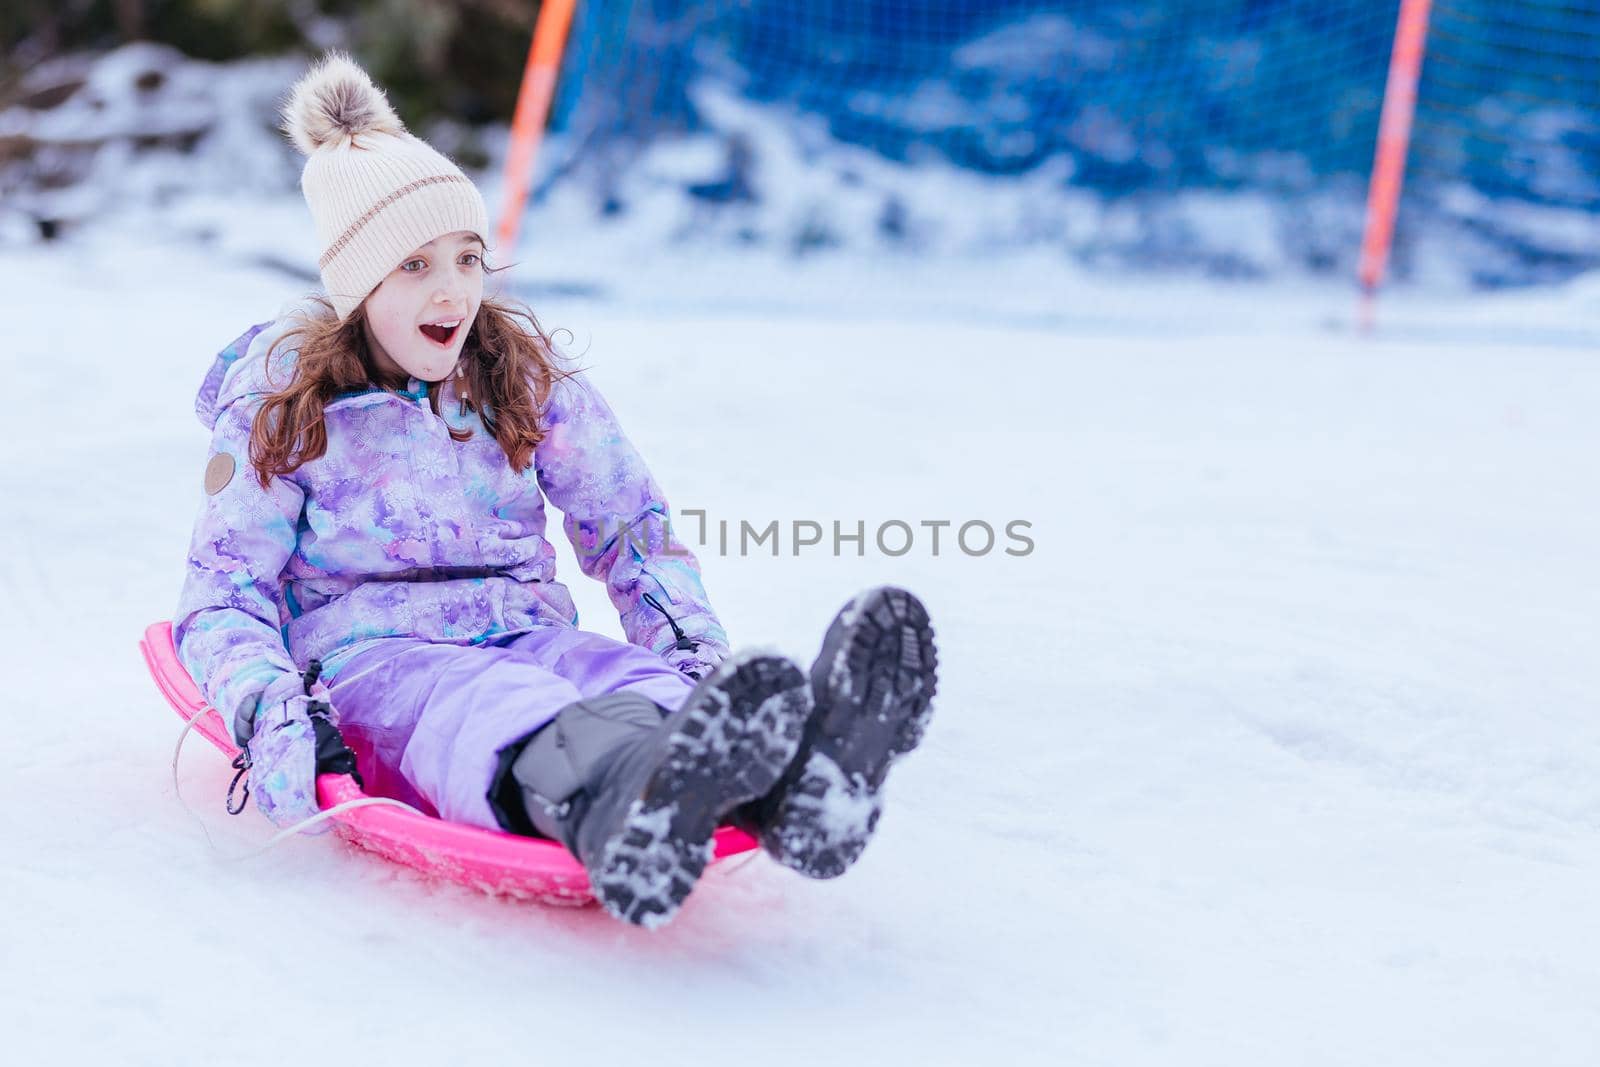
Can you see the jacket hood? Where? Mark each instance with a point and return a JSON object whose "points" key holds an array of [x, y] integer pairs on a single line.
{"points": [[242, 369]]}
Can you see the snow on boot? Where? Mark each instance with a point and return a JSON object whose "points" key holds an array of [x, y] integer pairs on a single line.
{"points": [[637, 797], [873, 686]]}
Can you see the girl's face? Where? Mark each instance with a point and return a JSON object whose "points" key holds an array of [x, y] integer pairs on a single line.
{"points": [[417, 319]]}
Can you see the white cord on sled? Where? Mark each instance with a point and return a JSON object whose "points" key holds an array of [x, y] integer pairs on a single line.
{"points": [[286, 832]]}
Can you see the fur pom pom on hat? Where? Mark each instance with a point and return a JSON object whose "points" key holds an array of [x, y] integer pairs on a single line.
{"points": [[335, 101], [375, 191]]}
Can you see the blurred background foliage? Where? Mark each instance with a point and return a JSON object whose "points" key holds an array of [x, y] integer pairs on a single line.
{"points": [[461, 59]]}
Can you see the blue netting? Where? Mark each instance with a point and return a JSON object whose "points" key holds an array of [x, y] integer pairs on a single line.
{"points": [[1275, 96], [1508, 101], [1215, 93]]}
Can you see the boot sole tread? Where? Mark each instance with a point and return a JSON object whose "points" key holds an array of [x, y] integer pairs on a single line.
{"points": [[874, 684], [730, 747]]}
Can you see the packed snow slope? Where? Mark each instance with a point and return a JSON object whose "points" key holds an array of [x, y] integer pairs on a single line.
{"points": [[1281, 745]]}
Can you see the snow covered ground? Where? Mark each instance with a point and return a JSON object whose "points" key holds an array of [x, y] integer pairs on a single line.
{"points": [[1282, 746]]}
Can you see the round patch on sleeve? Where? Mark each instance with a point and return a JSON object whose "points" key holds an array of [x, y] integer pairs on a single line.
{"points": [[219, 472]]}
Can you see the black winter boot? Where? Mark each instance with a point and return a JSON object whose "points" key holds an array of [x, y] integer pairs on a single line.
{"points": [[637, 797], [872, 687]]}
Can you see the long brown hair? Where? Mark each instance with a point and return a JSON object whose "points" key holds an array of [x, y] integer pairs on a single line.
{"points": [[510, 370]]}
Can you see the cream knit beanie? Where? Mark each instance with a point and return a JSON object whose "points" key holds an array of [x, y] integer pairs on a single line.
{"points": [[376, 192]]}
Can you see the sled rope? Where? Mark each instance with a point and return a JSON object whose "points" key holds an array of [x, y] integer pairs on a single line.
{"points": [[281, 835]]}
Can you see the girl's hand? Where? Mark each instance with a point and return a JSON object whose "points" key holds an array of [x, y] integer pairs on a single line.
{"points": [[295, 740]]}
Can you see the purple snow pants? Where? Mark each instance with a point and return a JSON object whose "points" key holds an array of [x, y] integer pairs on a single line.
{"points": [[425, 720]]}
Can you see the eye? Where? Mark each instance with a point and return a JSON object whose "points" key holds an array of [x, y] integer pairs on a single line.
{"points": [[406, 266], [469, 259]]}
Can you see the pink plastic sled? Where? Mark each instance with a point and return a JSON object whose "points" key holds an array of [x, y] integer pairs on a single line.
{"points": [[525, 868]]}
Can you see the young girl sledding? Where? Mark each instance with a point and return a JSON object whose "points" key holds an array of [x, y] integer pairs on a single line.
{"points": [[375, 503]]}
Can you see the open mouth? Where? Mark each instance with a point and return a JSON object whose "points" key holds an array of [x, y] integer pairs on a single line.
{"points": [[440, 333]]}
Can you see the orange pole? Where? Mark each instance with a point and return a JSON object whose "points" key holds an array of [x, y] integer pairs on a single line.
{"points": [[533, 108], [1394, 140]]}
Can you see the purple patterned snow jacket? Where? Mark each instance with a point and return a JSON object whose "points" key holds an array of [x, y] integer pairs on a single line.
{"points": [[400, 530]]}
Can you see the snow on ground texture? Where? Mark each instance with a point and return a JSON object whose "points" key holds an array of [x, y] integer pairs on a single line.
{"points": [[1282, 745]]}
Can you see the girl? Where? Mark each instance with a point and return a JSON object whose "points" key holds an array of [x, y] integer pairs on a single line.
{"points": [[374, 518]]}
